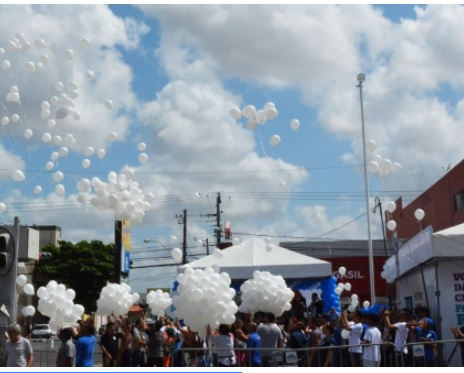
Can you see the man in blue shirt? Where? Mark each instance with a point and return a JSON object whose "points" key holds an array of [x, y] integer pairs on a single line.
{"points": [[85, 345], [254, 344]]}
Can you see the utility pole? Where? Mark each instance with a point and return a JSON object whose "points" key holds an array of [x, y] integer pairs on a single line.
{"points": [[218, 220], [117, 251], [207, 246], [182, 219]]}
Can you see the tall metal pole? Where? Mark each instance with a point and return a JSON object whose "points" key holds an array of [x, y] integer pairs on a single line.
{"points": [[184, 243], [361, 77]]}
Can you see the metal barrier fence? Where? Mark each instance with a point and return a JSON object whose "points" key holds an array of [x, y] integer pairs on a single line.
{"points": [[46, 351], [446, 353]]}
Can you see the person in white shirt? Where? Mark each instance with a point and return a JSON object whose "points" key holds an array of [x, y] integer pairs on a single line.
{"points": [[371, 342], [401, 328], [354, 326]]}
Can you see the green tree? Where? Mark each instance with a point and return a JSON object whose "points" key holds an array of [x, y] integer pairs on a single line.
{"points": [[85, 267]]}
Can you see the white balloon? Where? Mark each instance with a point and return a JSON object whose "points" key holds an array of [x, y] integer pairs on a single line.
{"points": [[29, 66], [395, 167], [51, 123], [173, 239], [366, 304], [373, 166], [63, 152], [391, 225], [86, 42], [76, 115], [109, 104], [251, 124], [101, 153], [249, 111], [272, 113], [88, 152], [342, 271], [18, 175], [282, 186], [37, 189], [275, 140], [2, 207], [294, 124], [14, 118], [347, 286], [176, 253], [40, 44], [86, 163], [143, 158], [390, 206], [90, 75], [59, 189], [112, 136], [49, 165], [46, 137], [28, 133], [386, 164], [58, 176], [6, 64], [59, 86], [236, 113], [29, 289], [68, 54], [81, 199], [345, 334], [370, 145], [21, 280], [5, 121], [419, 214]]}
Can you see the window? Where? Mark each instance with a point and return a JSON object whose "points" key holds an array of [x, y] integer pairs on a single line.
{"points": [[459, 200], [408, 303]]}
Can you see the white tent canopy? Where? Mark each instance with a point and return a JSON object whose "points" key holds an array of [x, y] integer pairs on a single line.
{"points": [[425, 245], [240, 261]]}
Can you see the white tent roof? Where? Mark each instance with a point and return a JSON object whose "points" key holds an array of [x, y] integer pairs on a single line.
{"points": [[425, 245], [240, 261], [449, 242]]}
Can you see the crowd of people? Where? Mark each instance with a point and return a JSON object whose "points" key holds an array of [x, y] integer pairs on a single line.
{"points": [[369, 340]]}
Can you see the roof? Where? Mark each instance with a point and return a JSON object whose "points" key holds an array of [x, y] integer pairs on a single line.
{"points": [[240, 261], [340, 248]]}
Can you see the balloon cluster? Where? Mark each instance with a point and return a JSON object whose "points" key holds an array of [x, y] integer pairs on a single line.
{"points": [[57, 302], [329, 296], [389, 271], [354, 302], [21, 282], [117, 299], [383, 166], [121, 194], [257, 117], [54, 118], [158, 301], [204, 297], [267, 293]]}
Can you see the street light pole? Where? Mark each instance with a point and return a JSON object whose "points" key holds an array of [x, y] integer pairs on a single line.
{"points": [[361, 77]]}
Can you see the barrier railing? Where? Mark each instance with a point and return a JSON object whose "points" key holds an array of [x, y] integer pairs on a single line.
{"points": [[421, 354]]}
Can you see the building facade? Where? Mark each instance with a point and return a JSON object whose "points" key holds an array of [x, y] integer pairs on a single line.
{"points": [[443, 204]]}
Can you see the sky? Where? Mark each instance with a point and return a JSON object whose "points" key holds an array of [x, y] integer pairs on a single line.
{"points": [[125, 112]]}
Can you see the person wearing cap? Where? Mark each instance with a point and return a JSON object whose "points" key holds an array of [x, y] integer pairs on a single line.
{"points": [[18, 350], [425, 333]]}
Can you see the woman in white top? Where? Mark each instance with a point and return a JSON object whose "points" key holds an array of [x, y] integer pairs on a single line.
{"points": [[223, 341]]}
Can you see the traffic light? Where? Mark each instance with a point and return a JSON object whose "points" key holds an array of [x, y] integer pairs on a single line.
{"points": [[8, 270], [7, 253]]}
